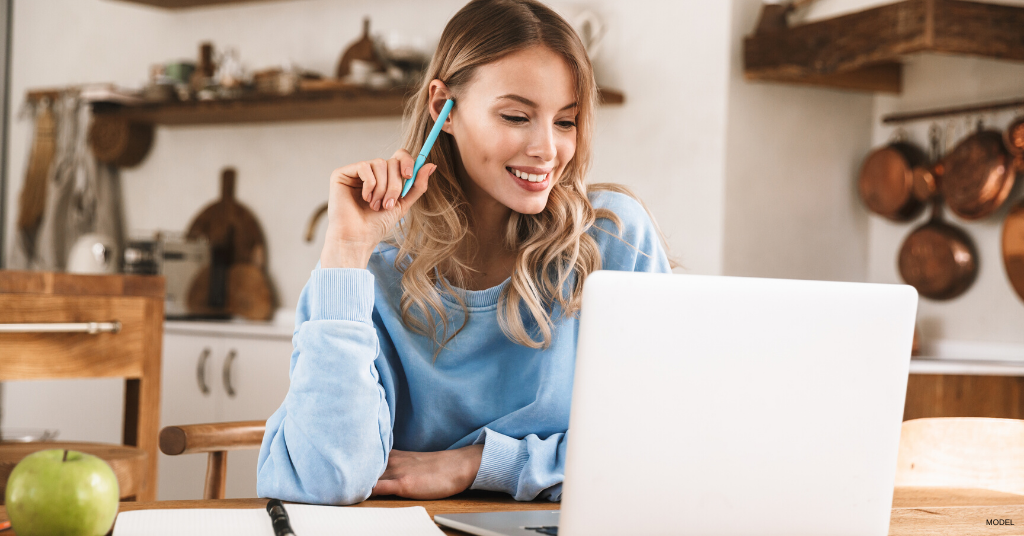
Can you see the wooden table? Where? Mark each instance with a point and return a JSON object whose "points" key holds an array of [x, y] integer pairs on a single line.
{"points": [[916, 511]]}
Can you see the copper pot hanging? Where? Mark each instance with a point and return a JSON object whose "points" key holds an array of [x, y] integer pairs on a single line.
{"points": [[978, 175], [938, 259], [1013, 248], [1015, 141], [886, 183]]}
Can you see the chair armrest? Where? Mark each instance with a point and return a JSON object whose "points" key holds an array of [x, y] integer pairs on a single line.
{"points": [[211, 437]]}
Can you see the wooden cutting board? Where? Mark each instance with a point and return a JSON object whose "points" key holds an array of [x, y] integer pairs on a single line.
{"points": [[236, 281]]}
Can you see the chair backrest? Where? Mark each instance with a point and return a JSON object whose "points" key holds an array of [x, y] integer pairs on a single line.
{"points": [[45, 324], [963, 452]]}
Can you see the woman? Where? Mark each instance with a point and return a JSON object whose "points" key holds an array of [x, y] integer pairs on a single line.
{"points": [[435, 342]]}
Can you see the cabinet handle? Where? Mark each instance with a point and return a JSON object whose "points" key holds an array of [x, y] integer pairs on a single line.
{"points": [[227, 373], [92, 328], [201, 371]]}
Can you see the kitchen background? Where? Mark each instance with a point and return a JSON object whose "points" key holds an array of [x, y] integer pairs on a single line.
{"points": [[745, 178]]}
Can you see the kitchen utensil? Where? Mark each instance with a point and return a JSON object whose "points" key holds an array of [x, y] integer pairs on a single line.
{"points": [[938, 259], [235, 238], [177, 259], [119, 142], [978, 175], [93, 253], [925, 181], [1015, 141], [364, 50], [886, 182], [32, 201], [180, 71], [1013, 248]]}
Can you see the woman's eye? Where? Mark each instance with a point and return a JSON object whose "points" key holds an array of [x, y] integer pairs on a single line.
{"points": [[515, 119], [566, 124]]}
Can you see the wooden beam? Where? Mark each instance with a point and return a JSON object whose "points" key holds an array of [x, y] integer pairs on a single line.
{"points": [[863, 50], [883, 77]]}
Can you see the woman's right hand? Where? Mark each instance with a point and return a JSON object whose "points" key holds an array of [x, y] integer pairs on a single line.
{"points": [[364, 206]]}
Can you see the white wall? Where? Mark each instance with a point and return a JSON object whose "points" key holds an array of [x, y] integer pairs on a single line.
{"points": [[670, 58], [790, 204]]}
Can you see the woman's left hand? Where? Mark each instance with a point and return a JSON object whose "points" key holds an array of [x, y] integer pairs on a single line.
{"points": [[429, 475]]}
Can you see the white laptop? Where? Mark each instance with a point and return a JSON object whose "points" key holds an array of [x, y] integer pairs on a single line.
{"points": [[729, 406]]}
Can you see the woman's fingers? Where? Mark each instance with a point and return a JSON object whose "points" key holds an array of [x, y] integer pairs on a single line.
{"points": [[365, 173], [407, 162], [380, 171], [386, 487], [395, 182], [418, 187]]}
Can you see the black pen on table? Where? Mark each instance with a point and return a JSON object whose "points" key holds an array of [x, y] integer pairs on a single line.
{"points": [[279, 518]]}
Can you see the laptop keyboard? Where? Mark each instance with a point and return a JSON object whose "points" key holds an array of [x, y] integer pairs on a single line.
{"points": [[543, 530]]}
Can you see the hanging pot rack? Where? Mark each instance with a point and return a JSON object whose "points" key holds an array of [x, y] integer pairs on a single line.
{"points": [[935, 113]]}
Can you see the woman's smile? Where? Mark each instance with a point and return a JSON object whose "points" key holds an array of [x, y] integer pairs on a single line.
{"points": [[530, 179]]}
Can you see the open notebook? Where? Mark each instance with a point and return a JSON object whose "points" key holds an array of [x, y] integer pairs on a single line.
{"points": [[306, 520]]}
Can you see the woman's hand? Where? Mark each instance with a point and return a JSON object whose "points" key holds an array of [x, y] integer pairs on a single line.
{"points": [[430, 475], [364, 205]]}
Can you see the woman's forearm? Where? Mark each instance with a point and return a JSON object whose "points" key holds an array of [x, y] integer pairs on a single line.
{"points": [[328, 442]]}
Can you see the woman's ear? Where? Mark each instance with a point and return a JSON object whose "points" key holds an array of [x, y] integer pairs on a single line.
{"points": [[439, 93]]}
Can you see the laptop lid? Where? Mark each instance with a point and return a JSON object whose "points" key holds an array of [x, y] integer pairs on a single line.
{"points": [[736, 406]]}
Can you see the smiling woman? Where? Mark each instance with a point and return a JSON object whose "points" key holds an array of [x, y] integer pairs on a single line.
{"points": [[435, 342]]}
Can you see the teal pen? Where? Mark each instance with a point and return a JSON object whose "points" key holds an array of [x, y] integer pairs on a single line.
{"points": [[427, 145]]}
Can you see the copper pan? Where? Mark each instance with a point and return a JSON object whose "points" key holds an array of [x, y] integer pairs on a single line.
{"points": [[978, 175], [1013, 248], [1015, 141], [887, 179], [938, 259]]}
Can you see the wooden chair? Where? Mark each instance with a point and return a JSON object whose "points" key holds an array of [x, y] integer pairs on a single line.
{"points": [[61, 326], [216, 439], [963, 452]]}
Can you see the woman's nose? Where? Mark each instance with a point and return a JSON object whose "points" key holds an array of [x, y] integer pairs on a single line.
{"points": [[542, 144]]}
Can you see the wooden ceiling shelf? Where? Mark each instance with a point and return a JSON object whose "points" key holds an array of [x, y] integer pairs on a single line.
{"points": [[864, 50], [323, 104]]}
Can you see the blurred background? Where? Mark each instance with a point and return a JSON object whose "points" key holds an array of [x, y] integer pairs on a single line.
{"points": [[745, 127]]}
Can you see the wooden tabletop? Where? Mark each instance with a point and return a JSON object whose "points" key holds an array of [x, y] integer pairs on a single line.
{"points": [[916, 511]]}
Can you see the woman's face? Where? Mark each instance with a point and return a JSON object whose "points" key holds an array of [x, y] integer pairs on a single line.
{"points": [[514, 126]]}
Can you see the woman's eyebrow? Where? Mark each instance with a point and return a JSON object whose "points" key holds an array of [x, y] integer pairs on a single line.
{"points": [[529, 102]]}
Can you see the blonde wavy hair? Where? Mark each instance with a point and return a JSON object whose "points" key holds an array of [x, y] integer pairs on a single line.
{"points": [[554, 252]]}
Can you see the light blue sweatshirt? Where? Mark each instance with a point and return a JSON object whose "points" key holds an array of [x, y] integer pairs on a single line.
{"points": [[362, 383]]}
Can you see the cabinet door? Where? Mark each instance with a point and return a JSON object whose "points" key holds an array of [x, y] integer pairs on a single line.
{"points": [[190, 387], [254, 377]]}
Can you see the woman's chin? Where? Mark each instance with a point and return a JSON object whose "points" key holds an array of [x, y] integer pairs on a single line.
{"points": [[535, 204]]}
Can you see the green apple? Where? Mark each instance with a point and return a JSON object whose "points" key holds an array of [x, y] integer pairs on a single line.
{"points": [[62, 492]]}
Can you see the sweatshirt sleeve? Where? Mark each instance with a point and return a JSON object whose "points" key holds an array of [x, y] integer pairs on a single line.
{"points": [[531, 468], [328, 442]]}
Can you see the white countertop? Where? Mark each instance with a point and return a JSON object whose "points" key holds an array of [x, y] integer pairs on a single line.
{"points": [[280, 327], [969, 357]]}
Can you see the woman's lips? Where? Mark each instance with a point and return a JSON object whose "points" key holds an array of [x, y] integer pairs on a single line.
{"points": [[527, 184]]}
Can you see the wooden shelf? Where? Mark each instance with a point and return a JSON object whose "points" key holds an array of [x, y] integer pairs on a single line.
{"points": [[864, 50], [181, 4], [346, 103]]}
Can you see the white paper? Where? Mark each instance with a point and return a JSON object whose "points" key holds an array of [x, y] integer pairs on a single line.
{"points": [[306, 520]]}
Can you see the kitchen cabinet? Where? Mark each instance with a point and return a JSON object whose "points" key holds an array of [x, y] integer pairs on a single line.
{"points": [[964, 395], [211, 376]]}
